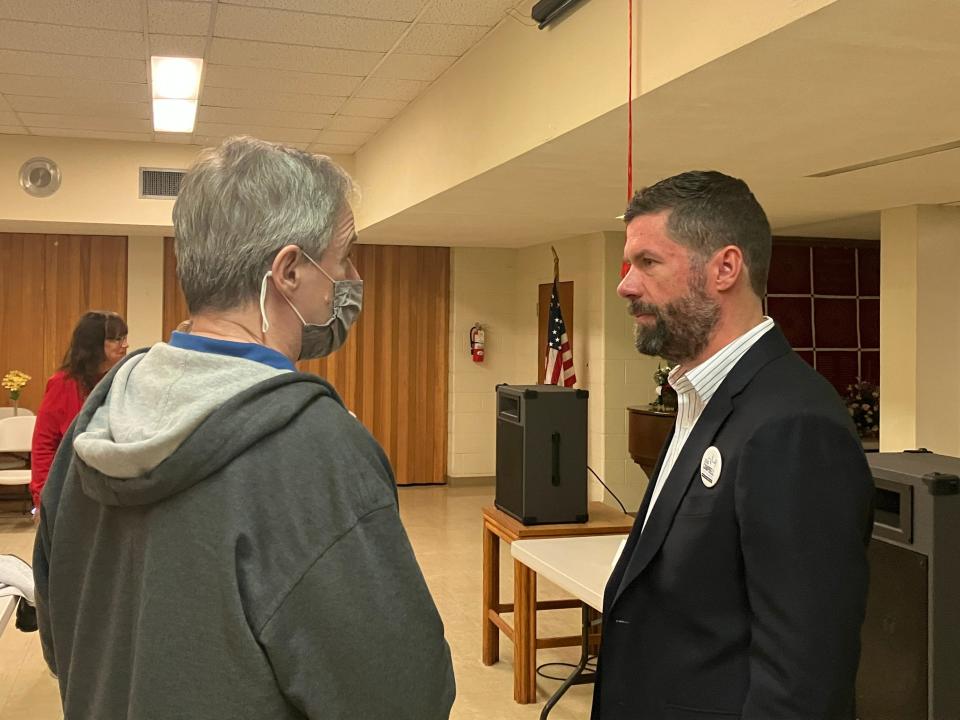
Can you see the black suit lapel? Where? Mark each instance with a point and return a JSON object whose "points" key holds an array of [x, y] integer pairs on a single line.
{"points": [[675, 487], [645, 503], [641, 547], [614, 581]]}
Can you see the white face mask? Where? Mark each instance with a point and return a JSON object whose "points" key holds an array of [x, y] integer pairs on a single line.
{"points": [[318, 340]]}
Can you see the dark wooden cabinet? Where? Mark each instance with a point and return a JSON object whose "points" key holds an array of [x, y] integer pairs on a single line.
{"points": [[647, 432]]}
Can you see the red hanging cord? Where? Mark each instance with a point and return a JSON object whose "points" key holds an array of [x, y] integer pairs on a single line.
{"points": [[630, 105], [626, 266]]}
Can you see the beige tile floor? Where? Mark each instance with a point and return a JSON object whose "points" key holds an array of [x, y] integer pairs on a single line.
{"points": [[444, 526], [27, 692]]}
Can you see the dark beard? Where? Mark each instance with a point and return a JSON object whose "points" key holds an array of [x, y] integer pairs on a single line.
{"points": [[682, 328]]}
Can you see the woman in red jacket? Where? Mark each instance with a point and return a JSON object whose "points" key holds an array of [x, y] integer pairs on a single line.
{"points": [[98, 343]]}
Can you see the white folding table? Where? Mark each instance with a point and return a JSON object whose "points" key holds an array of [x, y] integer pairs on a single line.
{"points": [[581, 566], [8, 606]]}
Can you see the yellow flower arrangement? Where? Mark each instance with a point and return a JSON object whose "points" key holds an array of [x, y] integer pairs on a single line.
{"points": [[14, 382]]}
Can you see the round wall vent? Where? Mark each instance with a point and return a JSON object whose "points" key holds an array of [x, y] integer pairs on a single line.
{"points": [[40, 177]]}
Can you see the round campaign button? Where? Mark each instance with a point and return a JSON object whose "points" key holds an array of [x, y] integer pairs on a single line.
{"points": [[710, 466]]}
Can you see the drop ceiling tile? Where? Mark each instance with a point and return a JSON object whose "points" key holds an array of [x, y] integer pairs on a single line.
{"points": [[9, 118], [274, 134], [403, 10], [430, 39], [332, 149], [83, 122], [294, 28], [73, 88], [280, 80], [336, 137], [175, 138], [172, 17], [391, 89], [414, 67], [352, 123], [177, 46], [104, 14], [268, 118], [467, 12], [21, 62], [78, 106], [97, 134], [292, 57], [206, 140], [12, 130], [364, 107], [267, 100], [16, 35]]}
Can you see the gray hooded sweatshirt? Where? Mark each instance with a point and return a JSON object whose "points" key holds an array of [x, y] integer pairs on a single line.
{"points": [[220, 539]]}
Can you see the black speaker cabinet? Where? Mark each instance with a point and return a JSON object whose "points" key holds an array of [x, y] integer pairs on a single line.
{"points": [[911, 635], [542, 453]]}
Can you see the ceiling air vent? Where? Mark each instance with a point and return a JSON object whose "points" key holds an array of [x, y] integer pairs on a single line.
{"points": [[156, 183], [40, 177]]}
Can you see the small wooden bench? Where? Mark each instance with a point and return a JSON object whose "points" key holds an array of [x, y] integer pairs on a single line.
{"points": [[497, 525]]}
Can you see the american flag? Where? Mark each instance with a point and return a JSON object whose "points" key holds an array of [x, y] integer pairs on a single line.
{"points": [[559, 367]]}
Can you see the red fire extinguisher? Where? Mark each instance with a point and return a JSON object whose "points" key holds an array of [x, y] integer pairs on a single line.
{"points": [[476, 342]]}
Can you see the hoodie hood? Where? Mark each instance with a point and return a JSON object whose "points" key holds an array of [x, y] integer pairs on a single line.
{"points": [[165, 419]]}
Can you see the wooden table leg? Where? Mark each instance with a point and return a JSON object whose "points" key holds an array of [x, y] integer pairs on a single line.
{"points": [[491, 595], [524, 633], [595, 630]]}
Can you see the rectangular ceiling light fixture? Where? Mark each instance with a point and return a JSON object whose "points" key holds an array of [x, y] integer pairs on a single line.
{"points": [[176, 88]]}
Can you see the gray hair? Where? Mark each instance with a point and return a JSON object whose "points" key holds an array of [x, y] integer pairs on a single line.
{"points": [[239, 204]]}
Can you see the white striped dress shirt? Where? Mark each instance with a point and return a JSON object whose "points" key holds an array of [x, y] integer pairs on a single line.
{"points": [[694, 390]]}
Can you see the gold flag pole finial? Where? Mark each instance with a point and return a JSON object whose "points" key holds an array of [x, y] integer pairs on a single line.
{"points": [[556, 263]]}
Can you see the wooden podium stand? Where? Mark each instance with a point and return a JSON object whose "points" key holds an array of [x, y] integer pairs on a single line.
{"points": [[497, 526], [648, 431]]}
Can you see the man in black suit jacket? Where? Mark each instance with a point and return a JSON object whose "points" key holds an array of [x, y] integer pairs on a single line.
{"points": [[742, 587]]}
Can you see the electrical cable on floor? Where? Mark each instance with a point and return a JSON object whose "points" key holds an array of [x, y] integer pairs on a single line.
{"points": [[514, 15], [588, 668], [608, 489]]}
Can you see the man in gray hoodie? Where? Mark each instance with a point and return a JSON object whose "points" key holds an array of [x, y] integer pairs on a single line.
{"points": [[219, 536]]}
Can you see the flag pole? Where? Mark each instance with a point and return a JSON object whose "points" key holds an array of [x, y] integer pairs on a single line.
{"points": [[556, 264]]}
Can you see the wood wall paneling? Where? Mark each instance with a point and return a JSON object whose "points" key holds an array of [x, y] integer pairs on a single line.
{"points": [[82, 273], [174, 303], [46, 283], [392, 370], [22, 307]]}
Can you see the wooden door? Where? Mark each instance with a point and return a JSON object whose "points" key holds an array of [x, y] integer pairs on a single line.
{"points": [[46, 283], [83, 273], [174, 303], [392, 370], [22, 307], [565, 291]]}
